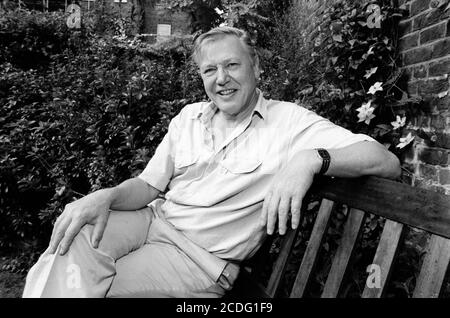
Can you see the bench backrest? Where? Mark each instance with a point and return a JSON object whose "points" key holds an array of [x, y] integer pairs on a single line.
{"points": [[402, 205]]}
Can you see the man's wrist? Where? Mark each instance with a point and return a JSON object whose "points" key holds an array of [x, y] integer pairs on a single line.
{"points": [[109, 195], [324, 156]]}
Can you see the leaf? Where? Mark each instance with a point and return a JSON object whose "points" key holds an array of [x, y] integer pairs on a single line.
{"points": [[443, 94], [337, 38]]}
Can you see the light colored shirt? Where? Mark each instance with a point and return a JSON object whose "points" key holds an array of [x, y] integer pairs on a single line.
{"points": [[215, 197]]}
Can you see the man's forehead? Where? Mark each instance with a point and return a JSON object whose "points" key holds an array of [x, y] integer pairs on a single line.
{"points": [[221, 48]]}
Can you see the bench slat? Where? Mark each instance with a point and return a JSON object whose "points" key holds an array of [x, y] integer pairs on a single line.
{"points": [[433, 269], [280, 264], [353, 226], [384, 257], [312, 249], [420, 208]]}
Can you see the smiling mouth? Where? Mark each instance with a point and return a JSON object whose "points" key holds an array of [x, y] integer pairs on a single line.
{"points": [[226, 92]]}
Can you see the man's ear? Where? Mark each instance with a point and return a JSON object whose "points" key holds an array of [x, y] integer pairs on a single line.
{"points": [[256, 68]]}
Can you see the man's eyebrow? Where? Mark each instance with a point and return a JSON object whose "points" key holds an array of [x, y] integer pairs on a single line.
{"points": [[223, 62]]}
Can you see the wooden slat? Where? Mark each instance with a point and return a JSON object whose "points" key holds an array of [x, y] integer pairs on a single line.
{"points": [[312, 249], [420, 208], [384, 257], [353, 226], [433, 268], [280, 264]]}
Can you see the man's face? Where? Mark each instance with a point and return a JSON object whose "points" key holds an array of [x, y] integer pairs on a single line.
{"points": [[228, 74]]}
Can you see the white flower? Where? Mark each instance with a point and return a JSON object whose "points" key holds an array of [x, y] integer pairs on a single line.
{"points": [[370, 72], [405, 141], [375, 88], [399, 122], [365, 112], [218, 11]]}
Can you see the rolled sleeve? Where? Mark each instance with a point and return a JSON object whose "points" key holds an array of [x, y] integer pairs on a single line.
{"points": [[160, 168], [311, 131]]}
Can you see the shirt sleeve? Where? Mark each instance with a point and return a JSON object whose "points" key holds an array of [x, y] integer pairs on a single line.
{"points": [[310, 131], [160, 168]]}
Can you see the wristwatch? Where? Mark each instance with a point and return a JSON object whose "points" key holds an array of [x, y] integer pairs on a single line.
{"points": [[325, 156]]}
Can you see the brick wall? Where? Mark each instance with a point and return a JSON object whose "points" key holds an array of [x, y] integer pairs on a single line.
{"points": [[425, 48]]}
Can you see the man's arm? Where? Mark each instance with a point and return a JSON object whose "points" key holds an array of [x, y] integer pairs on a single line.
{"points": [[290, 185], [94, 209]]}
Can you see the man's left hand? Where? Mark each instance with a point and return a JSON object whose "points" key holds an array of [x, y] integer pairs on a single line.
{"points": [[287, 190]]}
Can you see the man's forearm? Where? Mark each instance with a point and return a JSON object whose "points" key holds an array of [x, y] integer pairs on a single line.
{"points": [[131, 194], [359, 159]]}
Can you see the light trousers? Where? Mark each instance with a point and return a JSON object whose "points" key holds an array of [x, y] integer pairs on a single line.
{"points": [[140, 255]]}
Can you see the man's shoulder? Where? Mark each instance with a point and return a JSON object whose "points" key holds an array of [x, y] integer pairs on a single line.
{"points": [[284, 110], [192, 110]]}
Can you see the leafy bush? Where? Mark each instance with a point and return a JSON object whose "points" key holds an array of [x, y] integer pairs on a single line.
{"points": [[90, 117]]}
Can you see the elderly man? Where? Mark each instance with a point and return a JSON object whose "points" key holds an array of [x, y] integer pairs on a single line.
{"points": [[235, 169]]}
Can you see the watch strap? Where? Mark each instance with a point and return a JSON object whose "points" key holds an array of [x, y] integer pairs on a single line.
{"points": [[326, 159]]}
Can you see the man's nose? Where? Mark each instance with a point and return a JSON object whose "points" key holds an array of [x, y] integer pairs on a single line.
{"points": [[222, 76]]}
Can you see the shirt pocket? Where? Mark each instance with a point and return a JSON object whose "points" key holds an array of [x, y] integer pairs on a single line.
{"points": [[241, 165], [184, 159]]}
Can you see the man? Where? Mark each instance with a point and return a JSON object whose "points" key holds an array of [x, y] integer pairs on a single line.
{"points": [[235, 168]]}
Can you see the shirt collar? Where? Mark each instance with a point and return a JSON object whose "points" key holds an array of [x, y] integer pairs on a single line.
{"points": [[209, 109]]}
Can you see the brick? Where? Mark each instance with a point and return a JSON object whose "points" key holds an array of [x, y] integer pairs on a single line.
{"points": [[429, 172], [422, 183], [436, 104], [441, 48], [432, 33], [409, 41], [419, 22], [439, 68], [404, 27], [438, 122], [436, 15], [411, 88], [442, 140], [434, 156], [417, 55], [430, 18], [419, 6], [428, 87], [444, 176], [441, 103], [420, 71]]}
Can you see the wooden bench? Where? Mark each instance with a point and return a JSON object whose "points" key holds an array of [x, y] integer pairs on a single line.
{"points": [[400, 204]]}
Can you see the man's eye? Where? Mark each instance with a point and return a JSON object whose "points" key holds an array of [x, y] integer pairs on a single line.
{"points": [[232, 64], [208, 71]]}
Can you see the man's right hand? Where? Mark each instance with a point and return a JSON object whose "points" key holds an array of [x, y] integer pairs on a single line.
{"points": [[92, 209]]}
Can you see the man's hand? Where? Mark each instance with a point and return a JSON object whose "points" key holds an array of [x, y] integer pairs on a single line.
{"points": [[91, 209], [287, 190]]}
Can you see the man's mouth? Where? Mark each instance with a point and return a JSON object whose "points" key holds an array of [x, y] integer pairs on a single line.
{"points": [[226, 92]]}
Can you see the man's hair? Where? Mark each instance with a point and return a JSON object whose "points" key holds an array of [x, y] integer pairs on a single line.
{"points": [[219, 32]]}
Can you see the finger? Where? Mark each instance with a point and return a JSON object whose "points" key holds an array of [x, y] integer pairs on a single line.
{"points": [[272, 213], [99, 229], [283, 210], [296, 205], [59, 232], [263, 217], [72, 231], [55, 227]]}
